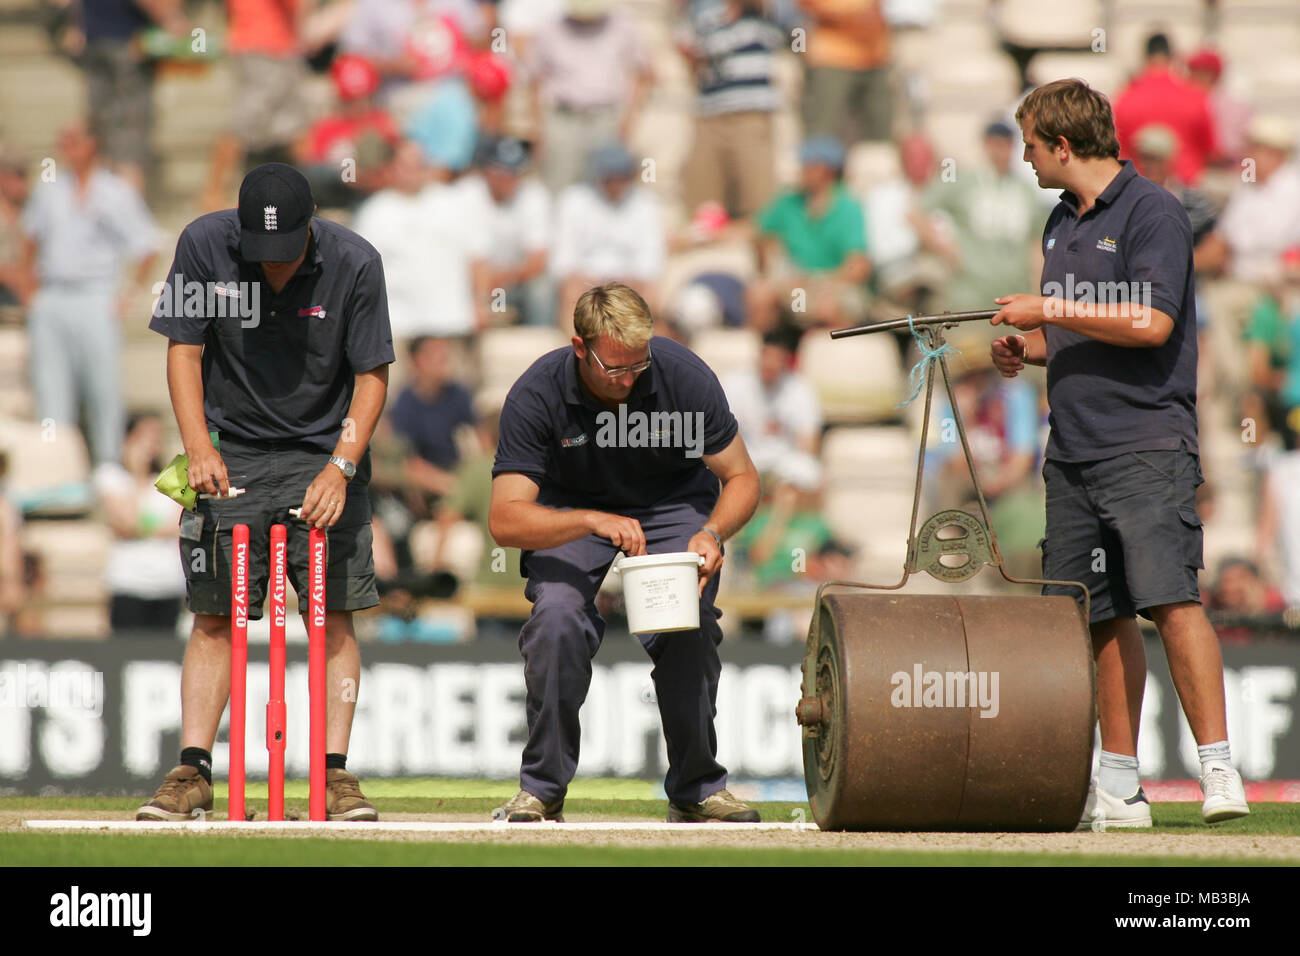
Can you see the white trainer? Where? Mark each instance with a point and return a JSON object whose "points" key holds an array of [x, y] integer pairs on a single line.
{"points": [[1105, 811], [1225, 796]]}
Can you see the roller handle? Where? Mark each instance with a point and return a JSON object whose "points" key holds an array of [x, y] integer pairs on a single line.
{"points": [[897, 325]]}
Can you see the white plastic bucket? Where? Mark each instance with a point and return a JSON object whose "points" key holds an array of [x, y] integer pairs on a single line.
{"points": [[661, 592]]}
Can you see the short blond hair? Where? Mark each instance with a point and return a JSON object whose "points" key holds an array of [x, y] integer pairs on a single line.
{"points": [[615, 310]]}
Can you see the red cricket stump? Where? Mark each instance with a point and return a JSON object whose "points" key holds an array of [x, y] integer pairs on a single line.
{"points": [[317, 560], [276, 725], [238, 667]]}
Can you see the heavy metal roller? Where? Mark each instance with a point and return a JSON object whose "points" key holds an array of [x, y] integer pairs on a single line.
{"points": [[946, 712]]}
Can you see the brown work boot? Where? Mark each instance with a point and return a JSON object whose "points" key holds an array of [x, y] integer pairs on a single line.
{"points": [[184, 795], [523, 807], [720, 807], [343, 798]]}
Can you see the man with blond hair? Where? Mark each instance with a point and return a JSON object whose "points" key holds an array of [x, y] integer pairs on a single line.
{"points": [[573, 484], [1116, 329]]}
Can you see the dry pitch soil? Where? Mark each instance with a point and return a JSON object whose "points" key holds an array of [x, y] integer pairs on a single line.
{"points": [[1208, 843]]}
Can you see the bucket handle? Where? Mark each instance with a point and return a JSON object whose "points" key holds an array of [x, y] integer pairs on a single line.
{"points": [[614, 567]]}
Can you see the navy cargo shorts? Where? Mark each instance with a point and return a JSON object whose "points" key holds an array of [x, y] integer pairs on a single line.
{"points": [[1127, 528], [275, 476]]}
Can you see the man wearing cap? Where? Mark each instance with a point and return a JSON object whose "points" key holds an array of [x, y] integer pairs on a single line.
{"points": [[1154, 149], [342, 153], [610, 230], [1116, 329], [1231, 115], [1160, 95], [994, 215], [1259, 222], [590, 74], [515, 210], [571, 489], [277, 364], [812, 247]]}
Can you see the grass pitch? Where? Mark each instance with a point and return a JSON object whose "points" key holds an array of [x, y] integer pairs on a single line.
{"points": [[605, 800], [89, 849]]}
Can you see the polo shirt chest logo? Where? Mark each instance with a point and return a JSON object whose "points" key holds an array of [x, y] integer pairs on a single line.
{"points": [[1107, 245], [312, 312], [577, 441]]}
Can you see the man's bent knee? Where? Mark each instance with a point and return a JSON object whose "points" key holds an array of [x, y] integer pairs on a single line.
{"points": [[559, 624]]}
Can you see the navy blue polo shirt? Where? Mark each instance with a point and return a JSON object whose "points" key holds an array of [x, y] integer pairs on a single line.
{"points": [[430, 425], [285, 373], [1134, 244], [112, 19], [583, 455]]}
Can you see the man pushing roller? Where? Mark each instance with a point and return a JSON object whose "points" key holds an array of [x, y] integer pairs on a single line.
{"points": [[1116, 328], [572, 486], [277, 364]]}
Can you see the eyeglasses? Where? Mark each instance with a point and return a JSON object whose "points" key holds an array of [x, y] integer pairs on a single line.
{"points": [[621, 370]]}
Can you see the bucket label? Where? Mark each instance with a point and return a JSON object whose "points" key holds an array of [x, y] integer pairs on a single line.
{"points": [[660, 595]]}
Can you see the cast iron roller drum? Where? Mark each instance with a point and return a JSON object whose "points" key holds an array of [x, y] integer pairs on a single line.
{"points": [[885, 747]]}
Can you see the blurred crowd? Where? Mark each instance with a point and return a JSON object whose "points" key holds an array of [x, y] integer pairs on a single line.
{"points": [[490, 151]]}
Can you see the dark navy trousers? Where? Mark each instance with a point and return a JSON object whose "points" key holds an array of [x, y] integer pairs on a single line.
{"points": [[563, 634]]}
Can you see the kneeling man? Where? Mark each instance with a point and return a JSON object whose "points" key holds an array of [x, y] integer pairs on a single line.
{"points": [[623, 441]]}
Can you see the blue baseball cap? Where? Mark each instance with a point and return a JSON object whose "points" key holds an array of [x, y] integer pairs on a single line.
{"points": [[611, 161], [822, 150], [504, 152]]}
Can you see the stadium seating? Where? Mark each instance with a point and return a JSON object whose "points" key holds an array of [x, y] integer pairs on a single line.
{"points": [[464, 546], [972, 76], [857, 379], [727, 350], [1126, 40], [15, 398], [1032, 23], [72, 600], [49, 467], [504, 354], [870, 476], [1259, 41], [1100, 71], [870, 164]]}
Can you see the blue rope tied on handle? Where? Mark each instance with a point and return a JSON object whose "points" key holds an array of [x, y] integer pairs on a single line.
{"points": [[916, 377]]}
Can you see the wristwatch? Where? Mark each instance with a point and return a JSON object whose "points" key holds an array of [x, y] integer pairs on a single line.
{"points": [[716, 537], [348, 468]]}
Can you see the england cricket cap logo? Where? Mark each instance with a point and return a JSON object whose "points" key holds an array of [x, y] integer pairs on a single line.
{"points": [[275, 210]]}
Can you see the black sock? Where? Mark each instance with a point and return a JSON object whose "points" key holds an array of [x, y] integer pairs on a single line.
{"points": [[336, 761], [199, 758]]}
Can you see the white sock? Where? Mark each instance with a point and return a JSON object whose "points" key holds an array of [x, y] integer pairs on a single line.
{"points": [[1212, 754], [1119, 774]]}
